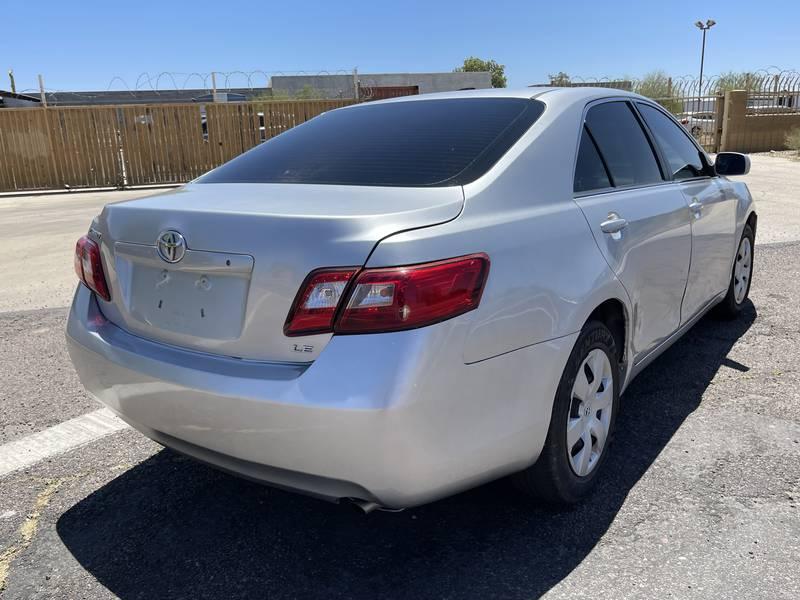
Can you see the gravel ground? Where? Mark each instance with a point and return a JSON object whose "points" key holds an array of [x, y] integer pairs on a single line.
{"points": [[774, 181], [37, 241], [701, 497], [39, 387]]}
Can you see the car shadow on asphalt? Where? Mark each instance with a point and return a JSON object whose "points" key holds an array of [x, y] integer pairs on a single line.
{"points": [[170, 527]]}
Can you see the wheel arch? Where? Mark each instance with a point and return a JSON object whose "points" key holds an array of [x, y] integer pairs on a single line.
{"points": [[613, 313], [752, 220]]}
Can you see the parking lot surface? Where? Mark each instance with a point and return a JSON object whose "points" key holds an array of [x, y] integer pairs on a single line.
{"points": [[701, 497]]}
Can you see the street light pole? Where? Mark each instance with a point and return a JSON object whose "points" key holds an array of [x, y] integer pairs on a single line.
{"points": [[704, 27]]}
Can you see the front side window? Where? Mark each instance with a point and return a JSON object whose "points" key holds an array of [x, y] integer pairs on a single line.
{"points": [[679, 151], [623, 144], [409, 143]]}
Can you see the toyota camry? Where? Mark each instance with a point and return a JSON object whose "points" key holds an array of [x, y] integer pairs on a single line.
{"points": [[399, 300]]}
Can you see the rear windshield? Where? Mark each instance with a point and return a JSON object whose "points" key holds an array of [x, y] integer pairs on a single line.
{"points": [[417, 143]]}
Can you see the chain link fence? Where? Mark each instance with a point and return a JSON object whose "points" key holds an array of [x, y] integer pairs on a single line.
{"points": [[771, 104]]}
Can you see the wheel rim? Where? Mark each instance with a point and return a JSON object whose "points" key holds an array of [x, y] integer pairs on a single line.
{"points": [[741, 270], [589, 417]]}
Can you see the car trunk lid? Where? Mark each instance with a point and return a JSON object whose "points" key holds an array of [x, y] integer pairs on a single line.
{"points": [[247, 249]]}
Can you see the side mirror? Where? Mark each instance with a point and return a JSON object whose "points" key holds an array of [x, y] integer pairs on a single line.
{"points": [[732, 163]]}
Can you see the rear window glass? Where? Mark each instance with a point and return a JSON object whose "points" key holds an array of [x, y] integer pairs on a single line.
{"points": [[590, 172], [416, 143], [623, 144]]}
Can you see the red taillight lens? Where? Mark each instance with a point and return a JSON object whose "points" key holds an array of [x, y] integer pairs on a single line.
{"points": [[315, 306], [89, 267], [414, 296], [387, 299]]}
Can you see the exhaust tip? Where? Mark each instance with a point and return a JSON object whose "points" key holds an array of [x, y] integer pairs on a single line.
{"points": [[365, 506]]}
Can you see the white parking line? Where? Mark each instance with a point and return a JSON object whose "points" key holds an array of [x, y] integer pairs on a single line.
{"points": [[58, 439]]}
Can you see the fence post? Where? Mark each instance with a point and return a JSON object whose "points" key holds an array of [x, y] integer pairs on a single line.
{"points": [[355, 84], [41, 92], [733, 122], [122, 174], [719, 121]]}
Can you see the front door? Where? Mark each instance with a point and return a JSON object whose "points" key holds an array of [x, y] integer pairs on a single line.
{"points": [[711, 206], [713, 230]]}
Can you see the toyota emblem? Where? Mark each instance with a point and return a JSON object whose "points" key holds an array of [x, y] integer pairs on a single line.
{"points": [[171, 246]]}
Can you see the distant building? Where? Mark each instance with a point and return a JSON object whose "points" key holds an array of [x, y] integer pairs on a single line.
{"points": [[13, 100], [224, 97], [378, 85], [371, 86], [619, 84], [152, 96]]}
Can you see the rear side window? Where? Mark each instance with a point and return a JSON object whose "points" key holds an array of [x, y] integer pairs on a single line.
{"points": [[590, 173], [679, 151], [623, 144], [410, 143]]}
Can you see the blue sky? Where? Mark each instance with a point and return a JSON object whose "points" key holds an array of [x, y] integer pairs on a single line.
{"points": [[84, 45]]}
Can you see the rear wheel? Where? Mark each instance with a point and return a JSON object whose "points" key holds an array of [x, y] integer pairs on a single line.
{"points": [[739, 286], [581, 424]]}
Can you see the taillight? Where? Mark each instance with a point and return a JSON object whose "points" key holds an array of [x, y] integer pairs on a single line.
{"points": [[408, 297], [388, 299], [89, 267], [315, 306]]}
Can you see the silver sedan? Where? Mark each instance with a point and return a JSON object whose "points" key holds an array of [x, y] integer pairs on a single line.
{"points": [[399, 300]]}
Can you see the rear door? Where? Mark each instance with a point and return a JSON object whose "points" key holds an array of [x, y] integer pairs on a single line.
{"points": [[711, 206], [639, 220]]}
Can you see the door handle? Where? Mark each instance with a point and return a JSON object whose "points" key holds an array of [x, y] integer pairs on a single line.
{"points": [[696, 207], [613, 224]]}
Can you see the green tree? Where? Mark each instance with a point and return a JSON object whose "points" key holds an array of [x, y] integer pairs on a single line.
{"points": [[738, 81], [560, 79], [657, 85], [473, 64]]}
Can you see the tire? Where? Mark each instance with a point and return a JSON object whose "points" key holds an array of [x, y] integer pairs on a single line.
{"points": [[731, 306], [559, 477]]}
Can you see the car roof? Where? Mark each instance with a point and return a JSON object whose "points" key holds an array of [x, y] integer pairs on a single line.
{"points": [[552, 94]]}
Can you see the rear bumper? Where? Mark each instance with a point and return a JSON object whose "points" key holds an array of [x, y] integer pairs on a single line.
{"points": [[397, 418]]}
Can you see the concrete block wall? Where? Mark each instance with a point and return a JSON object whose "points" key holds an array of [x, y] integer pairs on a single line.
{"points": [[746, 130]]}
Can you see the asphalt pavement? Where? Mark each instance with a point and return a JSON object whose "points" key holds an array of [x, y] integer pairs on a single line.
{"points": [[700, 499]]}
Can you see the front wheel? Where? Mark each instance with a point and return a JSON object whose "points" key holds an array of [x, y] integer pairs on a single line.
{"points": [[739, 286], [581, 424]]}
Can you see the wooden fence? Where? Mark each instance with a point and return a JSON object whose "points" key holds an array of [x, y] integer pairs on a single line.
{"points": [[117, 146], [133, 145]]}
